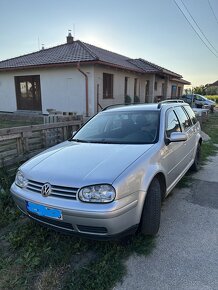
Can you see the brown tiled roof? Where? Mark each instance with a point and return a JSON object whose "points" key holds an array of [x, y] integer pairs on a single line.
{"points": [[66, 53], [215, 84], [181, 81], [79, 51], [148, 66]]}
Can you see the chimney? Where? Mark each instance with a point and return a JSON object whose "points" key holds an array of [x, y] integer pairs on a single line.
{"points": [[43, 47], [69, 37]]}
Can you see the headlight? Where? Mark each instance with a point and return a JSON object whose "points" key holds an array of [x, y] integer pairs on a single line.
{"points": [[20, 179], [102, 193]]}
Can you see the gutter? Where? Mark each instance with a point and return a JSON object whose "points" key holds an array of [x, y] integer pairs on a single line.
{"points": [[86, 86]]}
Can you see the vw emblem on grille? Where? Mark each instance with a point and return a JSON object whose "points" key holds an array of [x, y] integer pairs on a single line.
{"points": [[46, 189]]}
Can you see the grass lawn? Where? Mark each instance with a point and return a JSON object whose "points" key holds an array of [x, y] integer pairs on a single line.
{"points": [[211, 128], [34, 257]]}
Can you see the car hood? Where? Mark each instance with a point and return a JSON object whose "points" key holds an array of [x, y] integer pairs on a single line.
{"points": [[79, 164], [210, 102]]}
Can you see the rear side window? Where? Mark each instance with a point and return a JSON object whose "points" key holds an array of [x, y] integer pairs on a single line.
{"points": [[183, 118], [191, 114], [172, 124]]}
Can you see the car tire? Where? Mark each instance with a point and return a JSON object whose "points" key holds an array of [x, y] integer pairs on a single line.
{"points": [[150, 219], [196, 165]]}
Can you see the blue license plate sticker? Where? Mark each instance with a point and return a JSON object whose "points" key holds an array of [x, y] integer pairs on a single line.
{"points": [[45, 211]]}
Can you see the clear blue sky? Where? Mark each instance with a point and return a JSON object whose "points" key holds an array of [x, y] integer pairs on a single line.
{"points": [[154, 30]]}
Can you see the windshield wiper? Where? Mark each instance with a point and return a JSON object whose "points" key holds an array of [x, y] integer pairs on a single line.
{"points": [[79, 140]]}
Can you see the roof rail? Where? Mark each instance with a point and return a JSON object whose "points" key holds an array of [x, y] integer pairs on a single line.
{"points": [[120, 105], [169, 101]]}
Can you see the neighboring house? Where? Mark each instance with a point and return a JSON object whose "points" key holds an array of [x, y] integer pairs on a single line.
{"points": [[82, 78], [212, 89], [215, 84]]}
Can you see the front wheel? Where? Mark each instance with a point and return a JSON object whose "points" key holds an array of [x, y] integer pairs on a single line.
{"points": [[150, 219], [196, 165]]}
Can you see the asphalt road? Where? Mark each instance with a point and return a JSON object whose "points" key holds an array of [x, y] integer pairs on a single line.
{"points": [[186, 252]]}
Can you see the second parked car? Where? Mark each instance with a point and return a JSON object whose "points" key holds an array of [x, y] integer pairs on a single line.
{"points": [[198, 101]]}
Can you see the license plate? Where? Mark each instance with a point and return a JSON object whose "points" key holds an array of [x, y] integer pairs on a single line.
{"points": [[45, 211]]}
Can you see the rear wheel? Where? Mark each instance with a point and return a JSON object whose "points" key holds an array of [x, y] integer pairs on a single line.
{"points": [[196, 165], [150, 219]]}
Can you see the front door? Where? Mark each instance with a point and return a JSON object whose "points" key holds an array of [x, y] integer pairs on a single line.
{"points": [[28, 93]]}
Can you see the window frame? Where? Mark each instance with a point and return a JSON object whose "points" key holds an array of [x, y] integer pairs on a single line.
{"points": [[34, 102], [108, 86], [126, 86], [166, 122], [184, 127]]}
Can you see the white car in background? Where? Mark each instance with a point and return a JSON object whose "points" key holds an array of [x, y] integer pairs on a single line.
{"points": [[199, 101]]}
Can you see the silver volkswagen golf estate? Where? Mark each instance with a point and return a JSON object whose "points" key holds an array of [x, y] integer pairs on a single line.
{"points": [[109, 179]]}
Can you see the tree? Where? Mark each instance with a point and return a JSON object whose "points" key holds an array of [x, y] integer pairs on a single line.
{"points": [[201, 90]]}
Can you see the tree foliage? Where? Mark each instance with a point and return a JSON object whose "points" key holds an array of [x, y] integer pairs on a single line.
{"points": [[212, 91], [201, 90], [205, 90]]}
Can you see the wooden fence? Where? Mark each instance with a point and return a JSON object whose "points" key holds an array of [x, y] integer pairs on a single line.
{"points": [[18, 144]]}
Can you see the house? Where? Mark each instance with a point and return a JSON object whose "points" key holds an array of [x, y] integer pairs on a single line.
{"points": [[215, 84], [79, 77], [212, 89]]}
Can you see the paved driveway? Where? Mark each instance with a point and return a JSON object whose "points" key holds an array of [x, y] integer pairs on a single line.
{"points": [[186, 253]]}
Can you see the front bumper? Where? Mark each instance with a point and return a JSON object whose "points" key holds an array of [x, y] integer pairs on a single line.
{"points": [[90, 220]]}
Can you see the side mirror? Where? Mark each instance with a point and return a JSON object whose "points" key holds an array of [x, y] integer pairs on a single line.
{"points": [[177, 137]]}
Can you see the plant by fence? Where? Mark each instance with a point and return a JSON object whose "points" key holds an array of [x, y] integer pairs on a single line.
{"points": [[20, 143]]}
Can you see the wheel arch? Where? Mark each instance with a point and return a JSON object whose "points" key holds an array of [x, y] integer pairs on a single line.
{"points": [[161, 178]]}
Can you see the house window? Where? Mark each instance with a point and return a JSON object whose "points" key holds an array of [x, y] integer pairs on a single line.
{"points": [[28, 92], [173, 91], [126, 86], [162, 89], [179, 91], [135, 87], [107, 86], [147, 88], [155, 86]]}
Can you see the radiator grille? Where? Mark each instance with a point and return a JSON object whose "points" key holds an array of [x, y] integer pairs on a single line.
{"points": [[57, 191]]}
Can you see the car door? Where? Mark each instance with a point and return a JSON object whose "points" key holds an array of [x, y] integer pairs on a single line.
{"points": [[188, 128], [172, 152]]}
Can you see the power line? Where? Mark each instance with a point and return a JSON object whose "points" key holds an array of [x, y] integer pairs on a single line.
{"points": [[195, 30], [198, 26], [212, 10]]}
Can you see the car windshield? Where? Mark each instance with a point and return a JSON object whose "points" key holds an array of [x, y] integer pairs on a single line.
{"points": [[118, 127]]}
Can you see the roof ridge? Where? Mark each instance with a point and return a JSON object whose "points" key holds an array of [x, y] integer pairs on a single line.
{"points": [[88, 49]]}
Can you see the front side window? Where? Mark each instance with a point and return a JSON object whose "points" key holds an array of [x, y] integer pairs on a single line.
{"points": [[107, 86], [28, 92], [121, 127], [183, 118], [172, 124], [191, 114]]}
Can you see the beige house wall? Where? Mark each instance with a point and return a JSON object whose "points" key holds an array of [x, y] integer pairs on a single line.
{"points": [[160, 82], [119, 86]]}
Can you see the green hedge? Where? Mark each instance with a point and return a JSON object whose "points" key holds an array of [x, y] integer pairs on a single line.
{"points": [[213, 98]]}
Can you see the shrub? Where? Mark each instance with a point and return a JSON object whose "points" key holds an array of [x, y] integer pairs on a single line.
{"points": [[127, 99], [213, 98], [136, 100]]}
